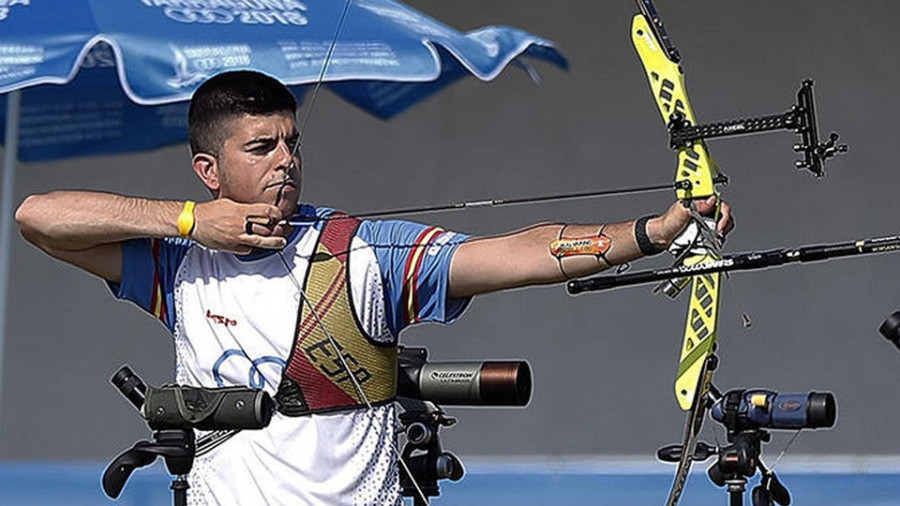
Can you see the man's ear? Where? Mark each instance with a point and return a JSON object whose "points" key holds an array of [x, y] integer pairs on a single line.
{"points": [[207, 169]]}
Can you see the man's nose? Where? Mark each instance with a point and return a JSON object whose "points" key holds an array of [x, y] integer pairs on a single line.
{"points": [[284, 154]]}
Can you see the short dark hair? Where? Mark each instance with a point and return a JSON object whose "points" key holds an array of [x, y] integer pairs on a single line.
{"points": [[229, 95]]}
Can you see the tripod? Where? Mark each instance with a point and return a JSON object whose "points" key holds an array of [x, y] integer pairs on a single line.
{"points": [[428, 463], [739, 461]]}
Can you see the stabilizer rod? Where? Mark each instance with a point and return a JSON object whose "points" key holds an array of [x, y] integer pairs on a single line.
{"points": [[740, 262]]}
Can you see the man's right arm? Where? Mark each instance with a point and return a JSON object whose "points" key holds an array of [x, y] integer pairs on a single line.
{"points": [[86, 229]]}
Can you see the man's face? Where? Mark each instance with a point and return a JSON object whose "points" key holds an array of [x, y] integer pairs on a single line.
{"points": [[255, 162]]}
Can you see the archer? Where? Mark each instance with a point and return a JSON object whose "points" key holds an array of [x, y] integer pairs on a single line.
{"points": [[314, 299]]}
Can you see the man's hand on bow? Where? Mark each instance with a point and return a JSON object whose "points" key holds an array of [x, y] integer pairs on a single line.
{"points": [[666, 228]]}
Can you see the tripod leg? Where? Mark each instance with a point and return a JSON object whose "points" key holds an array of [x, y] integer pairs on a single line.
{"points": [[179, 490]]}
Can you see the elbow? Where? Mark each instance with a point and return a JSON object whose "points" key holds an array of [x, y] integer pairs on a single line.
{"points": [[25, 215], [28, 219]]}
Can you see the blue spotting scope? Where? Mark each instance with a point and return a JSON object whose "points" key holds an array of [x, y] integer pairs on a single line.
{"points": [[766, 409]]}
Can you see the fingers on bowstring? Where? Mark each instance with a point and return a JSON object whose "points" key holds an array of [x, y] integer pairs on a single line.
{"points": [[263, 219], [264, 212], [259, 226]]}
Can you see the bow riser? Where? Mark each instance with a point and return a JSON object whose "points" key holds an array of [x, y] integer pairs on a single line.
{"points": [[695, 166]]}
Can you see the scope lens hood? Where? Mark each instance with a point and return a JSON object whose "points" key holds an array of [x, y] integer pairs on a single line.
{"points": [[821, 411]]}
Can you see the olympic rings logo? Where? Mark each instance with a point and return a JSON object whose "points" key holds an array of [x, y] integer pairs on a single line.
{"points": [[255, 378]]}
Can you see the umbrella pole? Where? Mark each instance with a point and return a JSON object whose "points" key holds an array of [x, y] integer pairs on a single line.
{"points": [[10, 154]]}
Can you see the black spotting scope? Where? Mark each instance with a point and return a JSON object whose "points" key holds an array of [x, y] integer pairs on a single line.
{"points": [[183, 407]]}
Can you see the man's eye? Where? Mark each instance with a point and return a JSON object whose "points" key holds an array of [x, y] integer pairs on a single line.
{"points": [[264, 147]]}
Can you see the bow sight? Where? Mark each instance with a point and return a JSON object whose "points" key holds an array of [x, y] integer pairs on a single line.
{"points": [[801, 117]]}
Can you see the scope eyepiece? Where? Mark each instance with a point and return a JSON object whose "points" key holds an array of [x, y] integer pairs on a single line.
{"points": [[131, 386]]}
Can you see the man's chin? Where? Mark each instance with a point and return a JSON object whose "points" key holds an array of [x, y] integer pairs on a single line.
{"points": [[289, 202]]}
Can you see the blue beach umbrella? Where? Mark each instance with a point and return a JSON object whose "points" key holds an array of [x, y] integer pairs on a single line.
{"points": [[386, 58], [89, 77]]}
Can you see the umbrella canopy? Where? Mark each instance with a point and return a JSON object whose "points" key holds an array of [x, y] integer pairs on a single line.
{"points": [[129, 67], [386, 58]]}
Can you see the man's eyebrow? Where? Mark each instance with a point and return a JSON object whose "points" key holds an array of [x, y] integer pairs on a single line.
{"points": [[261, 139]]}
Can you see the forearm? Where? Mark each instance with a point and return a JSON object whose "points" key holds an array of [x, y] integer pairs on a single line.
{"points": [[525, 257], [77, 220], [620, 239]]}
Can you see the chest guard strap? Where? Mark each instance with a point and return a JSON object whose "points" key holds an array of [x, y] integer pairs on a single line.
{"points": [[315, 379]]}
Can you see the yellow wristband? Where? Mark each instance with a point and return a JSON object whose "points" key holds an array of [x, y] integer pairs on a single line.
{"points": [[186, 220]]}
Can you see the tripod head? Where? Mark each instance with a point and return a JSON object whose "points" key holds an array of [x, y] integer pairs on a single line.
{"points": [[740, 460], [176, 446], [427, 462]]}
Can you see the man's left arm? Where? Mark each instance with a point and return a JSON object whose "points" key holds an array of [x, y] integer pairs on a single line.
{"points": [[552, 253]]}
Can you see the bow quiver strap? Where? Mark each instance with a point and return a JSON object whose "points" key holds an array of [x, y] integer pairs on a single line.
{"points": [[315, 380]]}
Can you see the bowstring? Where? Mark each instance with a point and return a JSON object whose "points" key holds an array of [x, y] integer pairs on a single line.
{"points": [[304, 298], [321, 78], [356, 385], [784, 451]]}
